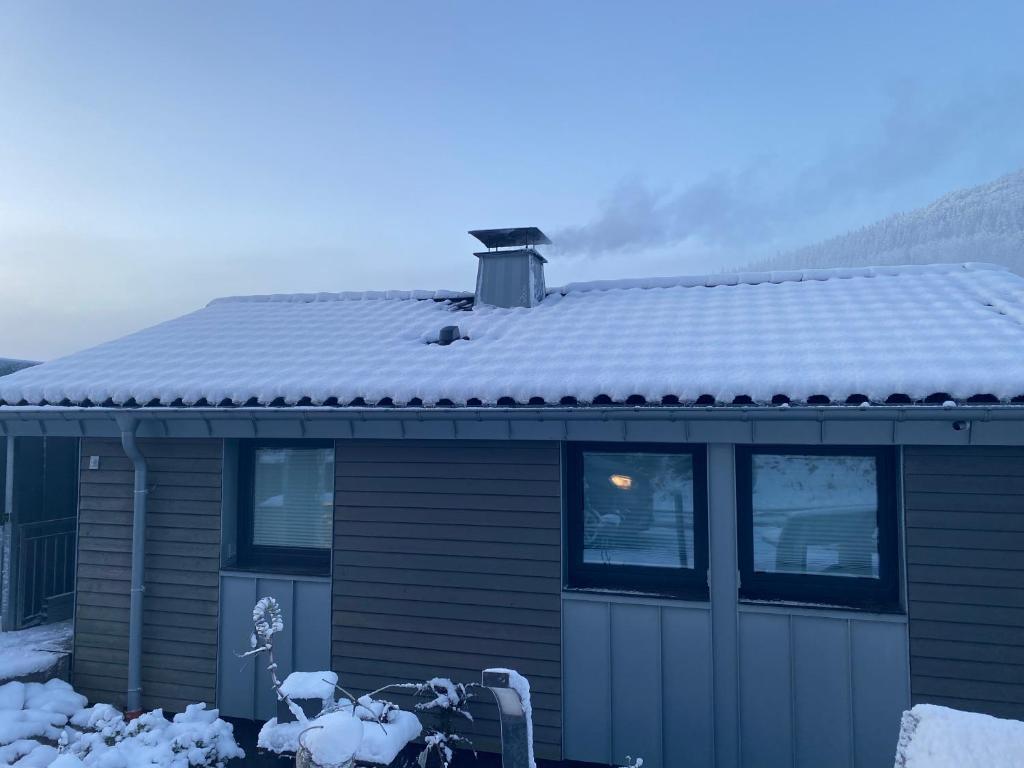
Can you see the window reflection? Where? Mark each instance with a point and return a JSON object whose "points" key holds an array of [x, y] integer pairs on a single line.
{"points": [[638, 509]]}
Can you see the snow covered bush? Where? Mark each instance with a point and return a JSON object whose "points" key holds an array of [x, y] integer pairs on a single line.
{"points": [[196, 737], [448, 701], [384, 730], [363, 728], [331, 741], [50, 725]]}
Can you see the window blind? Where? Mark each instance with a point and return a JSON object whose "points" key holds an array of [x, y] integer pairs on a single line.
{"points": [[293, 497], [815, 514]]}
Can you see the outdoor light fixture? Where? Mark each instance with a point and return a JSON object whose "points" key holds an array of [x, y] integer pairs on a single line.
{"points": [[625, 482]]}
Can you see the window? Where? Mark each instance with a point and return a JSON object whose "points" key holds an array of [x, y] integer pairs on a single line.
{"points": [[818, 525], [637, 518], [286, 504]]}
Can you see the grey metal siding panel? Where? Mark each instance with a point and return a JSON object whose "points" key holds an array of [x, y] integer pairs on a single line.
{"points": [[637, 681], [819, 689], [636, 666], [244, 688], [447, 561], [766, 690], [687, 687], [182, 558], [881, 688], [821, 692], [965, 574], [586, 682]]}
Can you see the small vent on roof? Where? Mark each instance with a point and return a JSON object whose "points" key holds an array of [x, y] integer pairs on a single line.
{"points": [[449, 334]]}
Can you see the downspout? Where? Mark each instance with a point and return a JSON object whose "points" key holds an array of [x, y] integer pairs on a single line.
{"points": [[7, 541], [133, 698]]}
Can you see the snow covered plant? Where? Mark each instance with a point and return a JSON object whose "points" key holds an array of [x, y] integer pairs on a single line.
{"points": [[196, 738], [353, 728], [49, 724], [448, 701], [268, 620]]}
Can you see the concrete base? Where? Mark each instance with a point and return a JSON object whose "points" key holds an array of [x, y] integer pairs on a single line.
{"points": [[61, 668]]}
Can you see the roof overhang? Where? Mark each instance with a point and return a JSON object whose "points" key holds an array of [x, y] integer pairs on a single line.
{"points": [[878, 425]]}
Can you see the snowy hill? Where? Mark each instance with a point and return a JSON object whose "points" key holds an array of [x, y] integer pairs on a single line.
{"points": [[8, 365], [984, 223]]}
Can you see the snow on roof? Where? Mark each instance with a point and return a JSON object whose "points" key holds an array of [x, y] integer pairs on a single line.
{"points": [[953, 331]]}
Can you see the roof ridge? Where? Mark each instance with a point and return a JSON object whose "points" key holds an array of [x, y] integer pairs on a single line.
{"points": [[308, 298], [679, 281], [779, 276]]}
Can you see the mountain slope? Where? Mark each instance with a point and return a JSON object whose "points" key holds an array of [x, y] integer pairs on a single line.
{"points": [[983, 223]]}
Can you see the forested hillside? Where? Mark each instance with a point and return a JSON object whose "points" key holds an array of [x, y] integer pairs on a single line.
{"points": [[984, 223]]}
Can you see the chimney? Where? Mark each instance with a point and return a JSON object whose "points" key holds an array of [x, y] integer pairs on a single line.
{"points": [[510, 273]]}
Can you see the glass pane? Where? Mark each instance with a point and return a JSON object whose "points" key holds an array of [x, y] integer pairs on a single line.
{"points": [[293, 502], [638, 509], [816, 514]]}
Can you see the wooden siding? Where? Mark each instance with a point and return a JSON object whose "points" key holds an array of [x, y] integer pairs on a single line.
{"points": [[446, 562], [179, 637], [965, 572]]}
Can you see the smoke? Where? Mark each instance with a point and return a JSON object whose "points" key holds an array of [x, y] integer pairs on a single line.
{"points": [[736, 210]]}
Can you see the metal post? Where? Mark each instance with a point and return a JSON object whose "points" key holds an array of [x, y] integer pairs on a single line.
{"points": [[515, 736]]}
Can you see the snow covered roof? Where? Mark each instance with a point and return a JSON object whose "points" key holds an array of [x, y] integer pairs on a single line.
{"points": [[896, 334]]}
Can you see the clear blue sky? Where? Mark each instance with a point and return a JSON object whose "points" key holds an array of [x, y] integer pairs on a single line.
{"points": [[155, 155]]}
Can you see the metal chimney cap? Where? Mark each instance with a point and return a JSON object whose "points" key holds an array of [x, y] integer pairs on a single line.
{"points": [[512, 237]]}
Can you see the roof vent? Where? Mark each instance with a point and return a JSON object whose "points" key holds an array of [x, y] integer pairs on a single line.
{"points": [[510, 272], [449, 334]]}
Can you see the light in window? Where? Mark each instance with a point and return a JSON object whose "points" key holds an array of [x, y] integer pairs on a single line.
{"points": [[625, 482]]}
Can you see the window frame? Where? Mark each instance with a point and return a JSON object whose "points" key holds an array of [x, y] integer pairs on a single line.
{"points": [[680, 583], [303, 561], [879, 595]]}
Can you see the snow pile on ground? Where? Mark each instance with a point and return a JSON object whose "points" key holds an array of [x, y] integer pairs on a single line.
{"points": [[33, 650], [939, 737], [384, 730], [32, 720], [521, 686], [50, 725]]}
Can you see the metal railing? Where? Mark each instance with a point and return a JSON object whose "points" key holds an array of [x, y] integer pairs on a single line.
{"points": [[46, 566]]}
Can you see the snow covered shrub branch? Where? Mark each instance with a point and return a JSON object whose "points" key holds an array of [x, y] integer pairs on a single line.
{"points": [[268, 620], [447, 700]]}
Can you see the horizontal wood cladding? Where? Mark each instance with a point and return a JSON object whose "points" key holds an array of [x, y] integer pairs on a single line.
{"points": [[965, 573], [447, 561], [179, 635]]}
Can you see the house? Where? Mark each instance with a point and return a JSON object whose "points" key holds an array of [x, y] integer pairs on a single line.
{"points": [[716, 521], [37, 524]]}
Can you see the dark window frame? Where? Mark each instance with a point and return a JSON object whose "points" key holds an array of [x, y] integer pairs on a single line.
{"points": [[869, 594], [304, 561], [680, 583]]}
